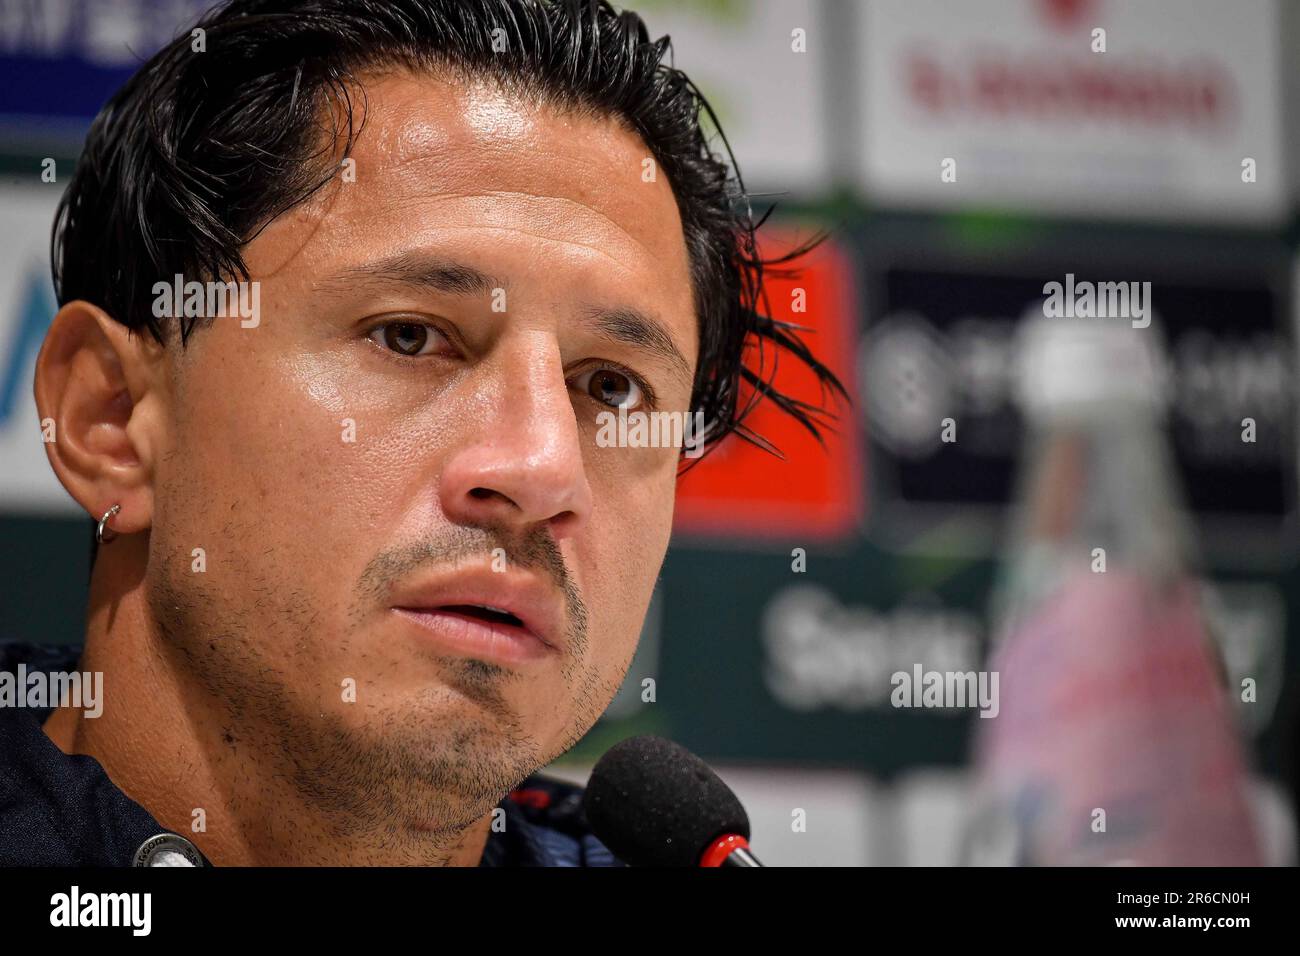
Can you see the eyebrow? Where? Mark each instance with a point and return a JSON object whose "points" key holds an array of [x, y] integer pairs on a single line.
{"points": [[422, 270], [635, 328]]}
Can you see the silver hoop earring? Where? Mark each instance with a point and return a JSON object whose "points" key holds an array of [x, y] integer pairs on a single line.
{"points": [[103, 526]]}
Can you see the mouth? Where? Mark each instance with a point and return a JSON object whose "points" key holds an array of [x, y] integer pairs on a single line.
{"points": [[509, 620], [477, 631], [483, 612]]}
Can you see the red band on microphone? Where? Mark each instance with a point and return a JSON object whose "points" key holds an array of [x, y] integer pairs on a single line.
{"points": [[721, 848]]}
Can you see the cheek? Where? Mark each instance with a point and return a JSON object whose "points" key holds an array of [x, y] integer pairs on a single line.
{"points": [[315, 424], [631, 546], [278, 468]]}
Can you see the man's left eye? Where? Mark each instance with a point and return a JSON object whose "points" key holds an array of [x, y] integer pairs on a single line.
{"points": [[611, 387], [406, 338]]}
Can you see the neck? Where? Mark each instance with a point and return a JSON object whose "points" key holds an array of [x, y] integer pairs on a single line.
{"points": [[160, 739]]}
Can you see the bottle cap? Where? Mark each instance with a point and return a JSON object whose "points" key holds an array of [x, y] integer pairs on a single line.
{"points": [[1079, 365]]}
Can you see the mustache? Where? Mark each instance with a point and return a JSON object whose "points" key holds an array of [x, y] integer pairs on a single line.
{"points": [[534, 550]]}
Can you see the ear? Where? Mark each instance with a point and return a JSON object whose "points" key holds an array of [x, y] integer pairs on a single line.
{"points": [[104, 390]]}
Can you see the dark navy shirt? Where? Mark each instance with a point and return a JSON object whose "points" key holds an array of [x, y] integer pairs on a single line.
{"points": [[61, 810]]}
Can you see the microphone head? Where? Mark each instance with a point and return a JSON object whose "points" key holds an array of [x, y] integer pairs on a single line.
{"points": [[654, 803]]}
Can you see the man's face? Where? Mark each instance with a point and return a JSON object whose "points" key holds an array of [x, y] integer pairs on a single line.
{"points": [[412, 426]]}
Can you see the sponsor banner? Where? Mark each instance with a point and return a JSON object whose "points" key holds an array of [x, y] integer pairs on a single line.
{"points": [[1166, 109], [61, 59], [744, 492], [940, 346], [876, 661]]}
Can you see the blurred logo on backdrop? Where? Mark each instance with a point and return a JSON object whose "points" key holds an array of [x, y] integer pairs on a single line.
{"points": [[941, 346], [822, 653], [1067, 14], [1097, 108]]}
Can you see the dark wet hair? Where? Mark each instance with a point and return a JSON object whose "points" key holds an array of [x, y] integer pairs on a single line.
{"points": [[198, 152]]}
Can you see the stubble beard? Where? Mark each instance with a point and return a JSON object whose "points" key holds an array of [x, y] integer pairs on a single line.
{"points": [[406, 781]]}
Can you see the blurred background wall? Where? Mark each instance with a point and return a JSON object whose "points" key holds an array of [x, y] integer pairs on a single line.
{"points": [[794, 588]]}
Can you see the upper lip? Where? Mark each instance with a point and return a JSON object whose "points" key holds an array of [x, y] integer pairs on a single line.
{"points": [[538, 605]]}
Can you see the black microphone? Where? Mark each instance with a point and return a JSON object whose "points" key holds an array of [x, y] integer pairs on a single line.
{"points": [[654, 803]]}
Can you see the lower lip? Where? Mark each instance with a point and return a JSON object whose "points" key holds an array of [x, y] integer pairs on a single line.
{"points": [[469, 636]]}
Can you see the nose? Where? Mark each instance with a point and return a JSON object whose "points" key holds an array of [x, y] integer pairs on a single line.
{"points": [[519, 462]]}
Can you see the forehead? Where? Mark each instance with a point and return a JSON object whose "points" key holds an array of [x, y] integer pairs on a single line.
{"points": [[454, 137], [441, 161]]}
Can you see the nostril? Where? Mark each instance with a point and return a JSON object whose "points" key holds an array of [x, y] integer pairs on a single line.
{"points": [[491, 495]]}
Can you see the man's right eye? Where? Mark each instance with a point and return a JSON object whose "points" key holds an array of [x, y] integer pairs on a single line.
{"points": [[411, 339]]}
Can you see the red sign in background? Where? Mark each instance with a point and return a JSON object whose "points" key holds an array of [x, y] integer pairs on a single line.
{"points": [[742, 491]]}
